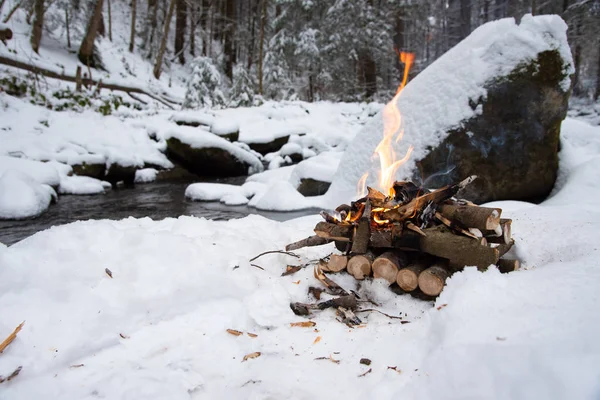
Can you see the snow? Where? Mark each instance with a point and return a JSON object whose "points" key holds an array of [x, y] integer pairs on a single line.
{"points": [[438, 98], [224, 126], [320, 168], [21, 196], [211, 191], [280, 196], [193, 117], [82, 185], [41, 172], [145, 175]]}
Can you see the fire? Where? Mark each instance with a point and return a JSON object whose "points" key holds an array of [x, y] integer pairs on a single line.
{"points": [[392, 133]]}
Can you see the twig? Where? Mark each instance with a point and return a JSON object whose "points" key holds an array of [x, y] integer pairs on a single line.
{"points": [[366, 372], [257, 266], [11, 337], [380, 312], [289, 253], [11, 376]]}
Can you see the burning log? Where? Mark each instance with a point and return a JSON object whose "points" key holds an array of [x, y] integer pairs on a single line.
{"points": [[331, 231], [408, 278], [482, 218], [336, 263], [433, 279], [388, 264], [360, 266], [360, 239]]}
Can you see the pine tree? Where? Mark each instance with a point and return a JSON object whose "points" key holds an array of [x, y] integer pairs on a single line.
{"points": [[242, 92], [203, 88]]}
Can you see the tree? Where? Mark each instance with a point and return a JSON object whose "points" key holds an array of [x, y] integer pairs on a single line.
{"points": [[263, 21], [87, 52], [242, 91], [203, 88], [228, 37], [133, 18], [180, 23], [163, 42], [38, 25]]}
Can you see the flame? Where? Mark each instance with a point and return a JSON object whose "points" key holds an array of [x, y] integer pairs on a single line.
{"points": [[361, 187], [392, 133], [380, 221]]}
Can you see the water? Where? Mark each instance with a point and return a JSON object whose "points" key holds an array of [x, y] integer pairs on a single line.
{"points": [[154, 200]]}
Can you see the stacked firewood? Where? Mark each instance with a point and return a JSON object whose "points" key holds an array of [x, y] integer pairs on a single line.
{"points": [[413, 238]]}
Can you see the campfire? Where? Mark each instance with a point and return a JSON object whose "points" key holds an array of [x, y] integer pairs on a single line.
{"points": [[411, 237]]}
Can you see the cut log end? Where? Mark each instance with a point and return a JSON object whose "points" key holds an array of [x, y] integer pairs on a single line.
{"points": [[408, 278], [386, 266], [506, 266], [336, 263], [360, 266], [432, 280]]}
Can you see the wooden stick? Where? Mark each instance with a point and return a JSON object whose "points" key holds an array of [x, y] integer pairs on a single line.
{"points": [[453, 226], [432, 280], [408, 278], [385, 236], [11, 337], [336, 263], [386, 266], [360, 266], [506, 266], [506, 236], [360, 240], [327, 230], [308, 242], [482, 218]]}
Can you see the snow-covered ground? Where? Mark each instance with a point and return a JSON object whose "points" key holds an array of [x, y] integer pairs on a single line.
{"points": [[157, 328]]}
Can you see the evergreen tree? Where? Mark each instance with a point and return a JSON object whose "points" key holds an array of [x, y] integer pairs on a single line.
{"points": [[203, 88], [242, 91]]}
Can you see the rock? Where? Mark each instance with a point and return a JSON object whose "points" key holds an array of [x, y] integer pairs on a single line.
{"points": [[312, 187], [117, 173], [512, 146], [226, 128], [205, 161], [269, 147], [177, 173], [91, 170]]}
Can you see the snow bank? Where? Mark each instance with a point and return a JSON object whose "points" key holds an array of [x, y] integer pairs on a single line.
{"points": [[189, 117], [225, 126], [21, 196], [82, 185], [438, 98], [321, 168], [45, 173], [145, 175]]}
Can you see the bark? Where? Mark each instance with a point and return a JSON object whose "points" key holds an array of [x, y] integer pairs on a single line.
{"points": [[133, 19], [228, 36], [193, 24], [506, 266], [360, 239], [5, 34], [512, 10], [78, 81], [152, 16], [308, 242], [86, 50], [263, 20], [180, 22], [109, 21], [38, 25], [577, 62], [533, 7], [367, 73], [482, 218], [432, 280], [68, 25], [486, 10], [163, 42], [204, 22], [597, 94], [465, 18], [505, 236], [331, 231], [254, 13]]}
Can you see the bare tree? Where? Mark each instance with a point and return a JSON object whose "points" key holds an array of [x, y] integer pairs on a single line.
{"points": [[133, 18], [229, 47], [180, 22], [109, 21], [263, 21], [86, 50], [38, 25], [163, 42]]}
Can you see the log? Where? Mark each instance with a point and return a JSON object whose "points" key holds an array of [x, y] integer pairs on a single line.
{"points": [[505, 248], [308, 242], [344, 247], [460, 250], [506, 266], [482, 218], [432, 280], [360, 240], [506, 233], [336, 263], [360, 266], [408, 278], [388, 264], [385, 237], [327, 230]]}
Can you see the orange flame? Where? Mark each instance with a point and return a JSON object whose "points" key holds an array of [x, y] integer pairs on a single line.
{"points": [[392, 132]]}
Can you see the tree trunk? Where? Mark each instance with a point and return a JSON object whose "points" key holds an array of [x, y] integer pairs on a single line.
{"points": [[193, 24], [597, 94], [229, 34], [577, 63], [153, 22], [205, 25], [68, 26], [533, 7], [465, 18], [263, 20], [86, 50], [251, 46], [38, 25], [180, 22], [486, 11], [163, 42], [109, 21], [512, 10], [133, 19], [12, 11]]}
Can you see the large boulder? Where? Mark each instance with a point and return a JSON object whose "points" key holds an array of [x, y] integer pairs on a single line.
{"points": [[492, 106], [206, 154]]}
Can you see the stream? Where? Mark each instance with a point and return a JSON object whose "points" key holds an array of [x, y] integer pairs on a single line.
{"points": [[156, 200]]}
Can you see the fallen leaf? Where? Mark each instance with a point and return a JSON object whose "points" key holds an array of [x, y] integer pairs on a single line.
{"points": [[297, 282], [123, 336], [365, 361], [366, 372], [77, 366], [11, 337], [252, 335], [303, 324], [442, 306], [108, 272], [234, 332], [251, 355], [316, 331], [11, 376], [291, 269], [330, 358], [316, 292], [395, 369], [317, 340]]}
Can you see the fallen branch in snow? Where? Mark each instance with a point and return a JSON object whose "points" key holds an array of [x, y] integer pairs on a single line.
{"points": [[86, 81], [11, 337], [289, 253], [11, 376], [308, 242], [382, 313]]}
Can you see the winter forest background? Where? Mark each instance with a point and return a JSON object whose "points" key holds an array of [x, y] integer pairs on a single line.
{"points": [[242, 51]]}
